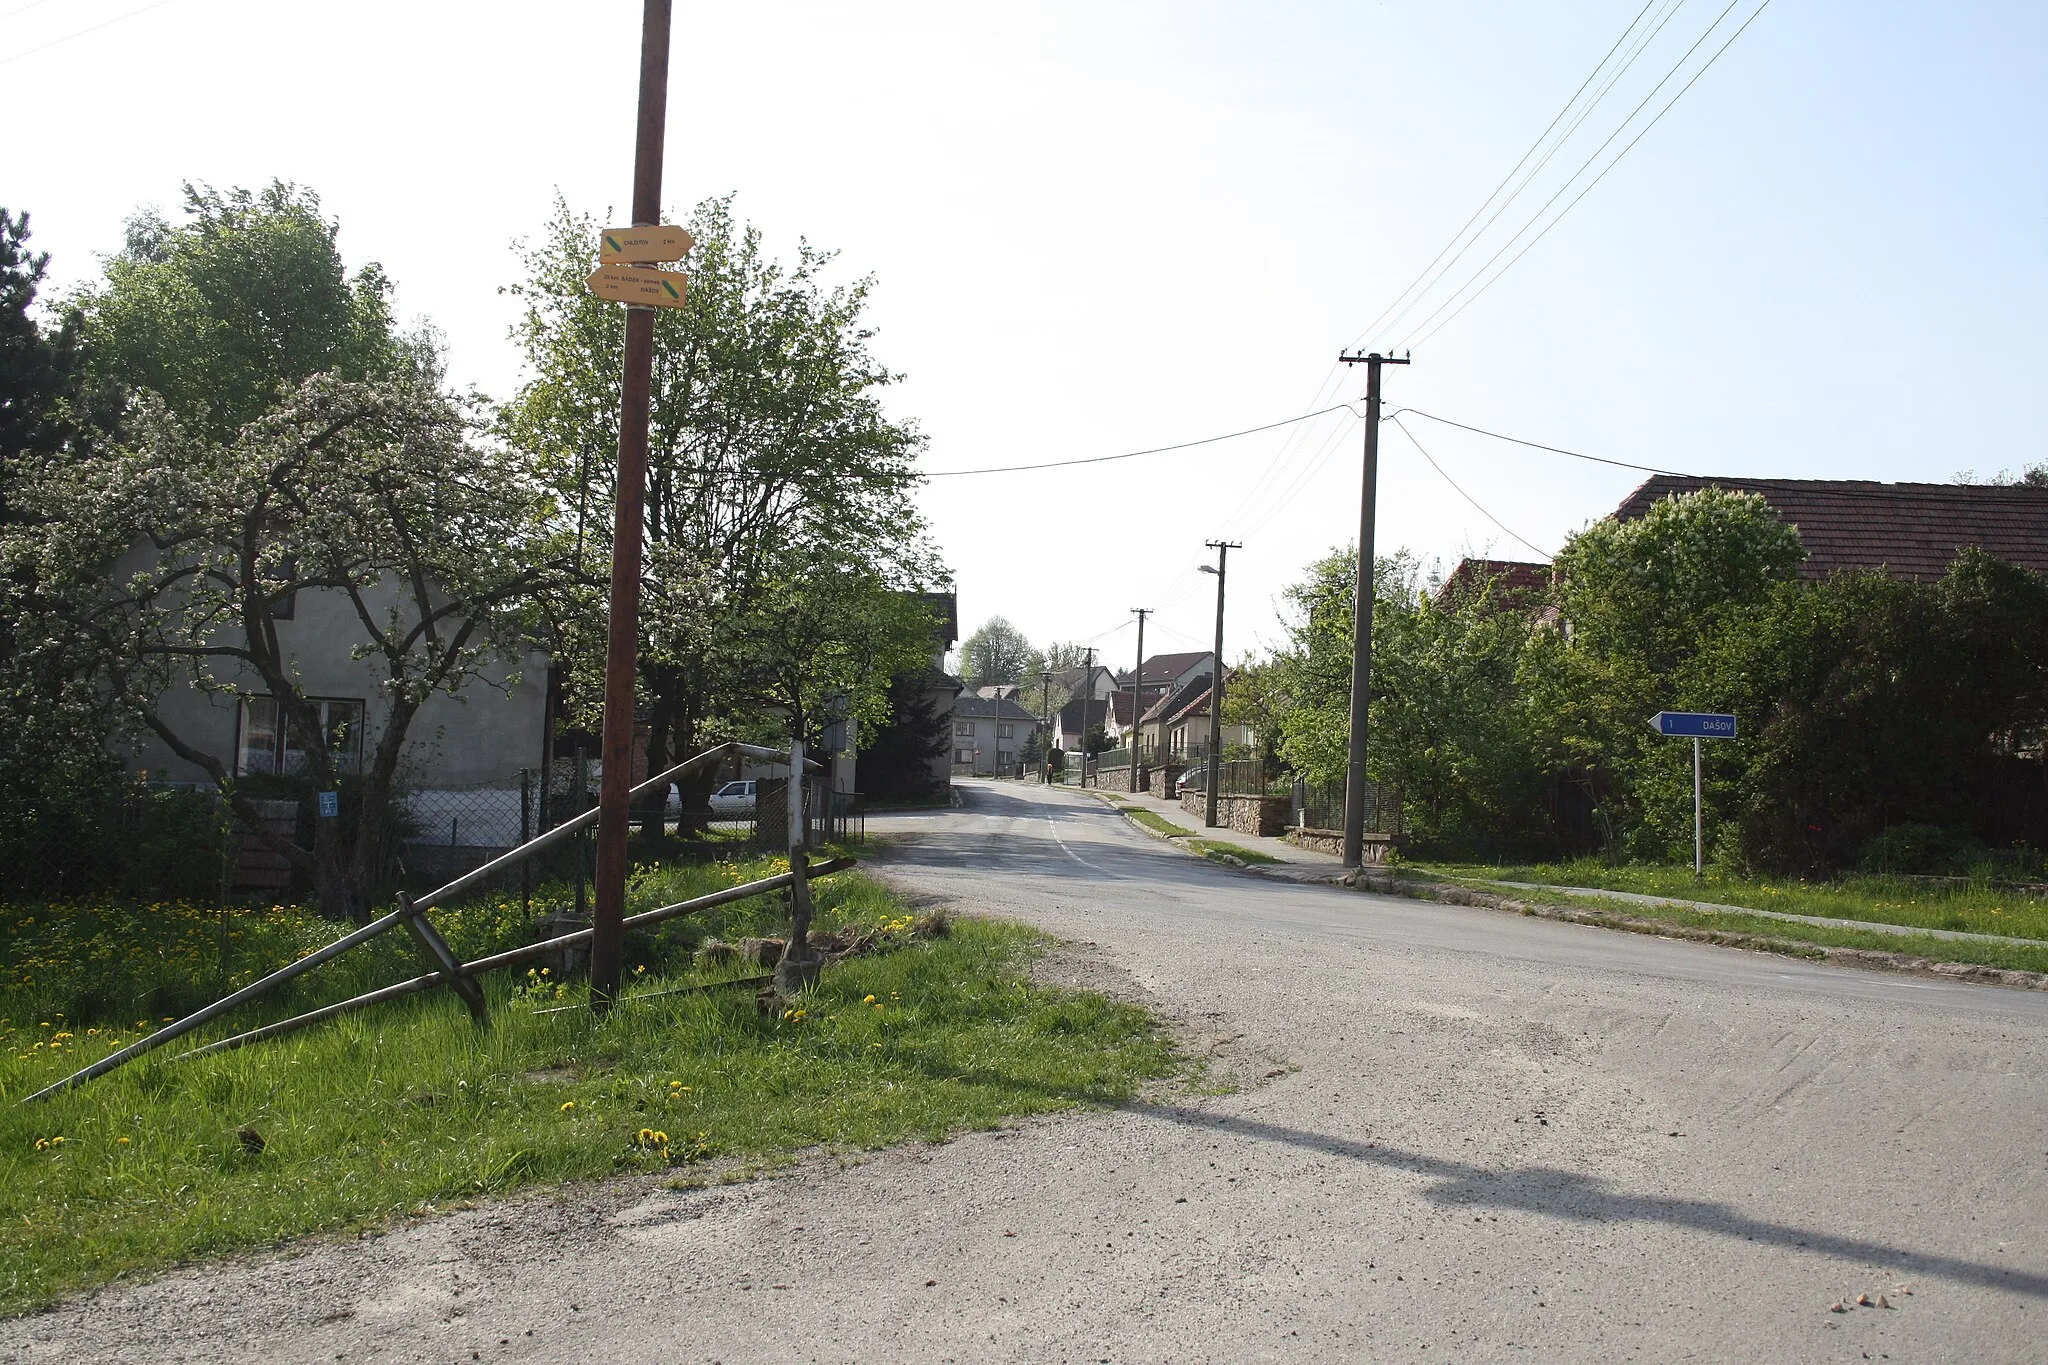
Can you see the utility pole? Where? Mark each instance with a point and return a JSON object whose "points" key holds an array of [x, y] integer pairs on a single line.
{"points": [[1222, 549], [622, 644], [1137, 695], [1361, 612], [1045, 728], [1087, 689]]}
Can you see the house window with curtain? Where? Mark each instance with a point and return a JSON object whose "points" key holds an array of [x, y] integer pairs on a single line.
{"points": [[270, 745], [964, 728]]}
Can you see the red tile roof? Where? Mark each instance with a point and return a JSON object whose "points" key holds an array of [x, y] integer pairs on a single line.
{"points": [[1513, 579], [1911, 530]]}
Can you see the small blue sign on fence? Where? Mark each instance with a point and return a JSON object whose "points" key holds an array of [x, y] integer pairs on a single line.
{"points": [[330, 805], [1698, 724]]}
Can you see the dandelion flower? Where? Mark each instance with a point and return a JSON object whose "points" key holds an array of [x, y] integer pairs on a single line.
{"points": [[867, 1000], [567, 1105], [122, 1141]]}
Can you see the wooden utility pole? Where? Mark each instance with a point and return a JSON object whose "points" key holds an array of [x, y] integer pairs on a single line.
{"points": [[1087, 694], [1137, 695], [1045, 728], [1361, 612], [622, 645], [1215, 782]]}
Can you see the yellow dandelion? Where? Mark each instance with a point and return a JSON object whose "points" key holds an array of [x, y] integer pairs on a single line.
{"points": [[122, 1141], [567, 1105], [867, 1000]]}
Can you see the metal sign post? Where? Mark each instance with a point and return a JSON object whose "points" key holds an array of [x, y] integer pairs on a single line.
{"points": [[1698, 725]]}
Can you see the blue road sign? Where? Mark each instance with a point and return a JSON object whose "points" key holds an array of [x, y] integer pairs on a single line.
{"points": [[330, 805], [1701, 724]]}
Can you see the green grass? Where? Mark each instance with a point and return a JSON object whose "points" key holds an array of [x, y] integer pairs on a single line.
{"points": [[1217, 848], [406, 1107], [1977, 908], [2014, 956], [1159, 824]]}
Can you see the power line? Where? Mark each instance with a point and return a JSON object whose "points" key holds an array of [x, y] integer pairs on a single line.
{"points": [[1396, 420], [1675, 68], [1534, 445], [1127, 455], [1608, 167], [1387, 315], [54, 42]]}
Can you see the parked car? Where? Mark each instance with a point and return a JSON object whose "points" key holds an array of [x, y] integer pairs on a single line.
{"points": [[1192, 779], [734, 798]]}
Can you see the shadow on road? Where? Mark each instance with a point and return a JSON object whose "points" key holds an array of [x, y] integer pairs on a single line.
{"points": [[1563, 1194]]}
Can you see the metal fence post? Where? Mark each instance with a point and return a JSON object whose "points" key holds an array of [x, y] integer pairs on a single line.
{"points": [[525, 833]]}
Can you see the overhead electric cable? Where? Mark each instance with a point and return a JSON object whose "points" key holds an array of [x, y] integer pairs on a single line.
{"points": [[1127, 455], [1396, 420], [1676, 67], [1424, 281], [1534, 445], [108, 23], [1603, 171]]}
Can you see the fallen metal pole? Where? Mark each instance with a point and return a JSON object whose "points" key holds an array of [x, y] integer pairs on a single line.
{"points": [[377, 926], [510, 958]]}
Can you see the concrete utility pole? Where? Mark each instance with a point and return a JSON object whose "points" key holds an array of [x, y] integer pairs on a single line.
{"points": [[622, 645], [1222, 549], [1137, 695], [1361, 612], [1087, 690], [1045, 728]]}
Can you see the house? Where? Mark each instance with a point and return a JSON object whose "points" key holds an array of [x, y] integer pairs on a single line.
{"points": [[1515, 582], [1157, 677], [1071, 725], [468, 757], [1094, 681], [1187, 729], [990, 736], [1910, 530]]}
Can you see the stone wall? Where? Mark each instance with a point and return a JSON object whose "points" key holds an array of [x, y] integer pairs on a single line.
{"points": [[1264, 816], [1373, 852], [1163, 780], [1117, 779]]}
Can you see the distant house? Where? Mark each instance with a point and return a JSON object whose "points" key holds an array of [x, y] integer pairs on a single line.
{"points": [[1517, 582], [1096, 682], [1909, 530], [1071, 725], [990, 736]]}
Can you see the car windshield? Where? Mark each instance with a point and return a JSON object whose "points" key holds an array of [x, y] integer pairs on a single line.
{"points": [[733, 789]]}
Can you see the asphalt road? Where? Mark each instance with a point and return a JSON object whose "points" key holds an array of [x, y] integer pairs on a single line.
{"points": [[1489, 1138]]}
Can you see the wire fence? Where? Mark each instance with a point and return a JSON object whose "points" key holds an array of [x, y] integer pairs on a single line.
{"points": [[145, 842], [1320, 805]]}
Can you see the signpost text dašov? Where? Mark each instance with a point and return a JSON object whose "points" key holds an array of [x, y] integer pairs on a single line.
{"points": [[1698, 725]]}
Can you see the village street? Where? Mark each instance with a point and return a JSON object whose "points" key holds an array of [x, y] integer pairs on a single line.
{"points": [[1455, 1135]]}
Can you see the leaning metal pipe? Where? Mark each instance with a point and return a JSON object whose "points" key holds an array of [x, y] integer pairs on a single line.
{"points": [[510, 958], [377, 926]]}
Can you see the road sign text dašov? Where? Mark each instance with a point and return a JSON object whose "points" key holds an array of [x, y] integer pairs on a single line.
{"points": [[1701, 724], [643, 245], [655, 288]]}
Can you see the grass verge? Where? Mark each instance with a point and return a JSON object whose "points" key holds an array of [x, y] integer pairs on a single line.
{"points": [[1217, 849], [1156, 822], [1977, 908], [1735, 929], [406, 1107]]}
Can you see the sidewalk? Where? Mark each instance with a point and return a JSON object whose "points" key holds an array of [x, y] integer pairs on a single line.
{"points": [[1295, 864]]}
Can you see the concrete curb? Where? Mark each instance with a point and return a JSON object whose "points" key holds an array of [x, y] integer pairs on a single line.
{"points": [[1450, 894]]}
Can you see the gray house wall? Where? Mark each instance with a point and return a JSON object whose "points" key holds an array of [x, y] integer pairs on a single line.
{"points": [[477, 739]]}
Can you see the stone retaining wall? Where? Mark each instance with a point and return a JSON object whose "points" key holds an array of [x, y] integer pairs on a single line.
{"points": [[1331, 841], [1263, 816], [1163, 780]]}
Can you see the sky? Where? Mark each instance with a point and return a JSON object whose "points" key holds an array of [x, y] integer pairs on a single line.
{"points": [[1098, 228]]}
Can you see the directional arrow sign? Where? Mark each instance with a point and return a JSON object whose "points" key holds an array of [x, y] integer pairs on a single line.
{"points": [[644, 244], [1703, 724], [655, 288]]}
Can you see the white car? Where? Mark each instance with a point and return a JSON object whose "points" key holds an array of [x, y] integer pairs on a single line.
{"points": [[734, 798]]}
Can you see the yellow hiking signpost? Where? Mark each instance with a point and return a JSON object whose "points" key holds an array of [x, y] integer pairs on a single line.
{"points": [[643, 245], [626, 284]]}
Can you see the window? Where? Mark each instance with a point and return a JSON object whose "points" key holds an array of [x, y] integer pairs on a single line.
{"points": [[963, 755], [1004, 758], [1006, 731], [270, 745], [964, 728]]}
